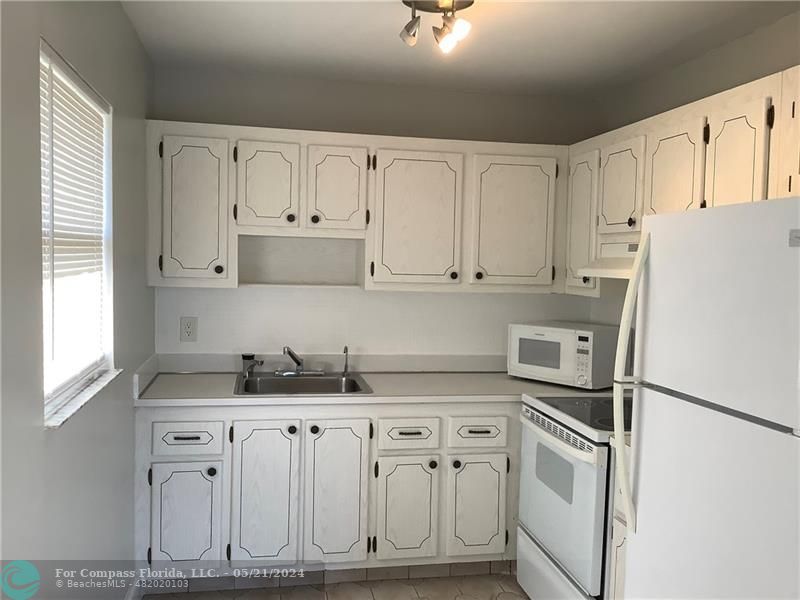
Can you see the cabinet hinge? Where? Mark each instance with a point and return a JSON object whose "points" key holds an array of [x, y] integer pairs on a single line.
{"points": [[374, 162], [149, 556], [771, 116], [228, 550], [150, 477], [369, 545], [376, 469], [369, 162], [556, 170], [703, 203], [790, 183], [230, 434], [793, 104], [372, 269], [368, 215], [374, 543], [506, 537], [508, 464], [235, 212], [371, 430], [236, 154], [160, 149], [706, 133], [553, 273], [160, 262]]}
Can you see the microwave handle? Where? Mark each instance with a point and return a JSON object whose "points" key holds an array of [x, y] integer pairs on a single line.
{"points": [[621, 382]]}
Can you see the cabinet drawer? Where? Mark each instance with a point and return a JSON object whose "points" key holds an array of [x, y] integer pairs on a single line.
{"points": [[477, 432], [182, 438], [400, 434]]}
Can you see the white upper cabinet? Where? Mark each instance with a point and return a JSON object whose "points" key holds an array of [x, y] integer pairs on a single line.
{"points": [[194, 207], [418, 203], [266, 491], [337, 187], [268, 184], [408, 504], [336, 455], [676, 155], [738, 148], [514, 213], [787, 128], [583, 182], [621, 186]]}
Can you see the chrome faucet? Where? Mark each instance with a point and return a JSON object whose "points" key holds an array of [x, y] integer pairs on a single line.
{"points": [[299, 366], [249, 364], [298, 362]]}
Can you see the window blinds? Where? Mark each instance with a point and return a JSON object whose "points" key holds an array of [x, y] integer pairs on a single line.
{"points": [[75, 248]]}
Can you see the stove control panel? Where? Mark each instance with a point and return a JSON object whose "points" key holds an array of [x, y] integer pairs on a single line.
{"points": [[583, 359]]}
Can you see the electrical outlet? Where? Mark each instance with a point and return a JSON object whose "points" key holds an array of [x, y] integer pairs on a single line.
{"points": [[188, 331]]}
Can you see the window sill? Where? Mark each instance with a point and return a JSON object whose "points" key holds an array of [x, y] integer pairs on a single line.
{"points": [[53, 419]]}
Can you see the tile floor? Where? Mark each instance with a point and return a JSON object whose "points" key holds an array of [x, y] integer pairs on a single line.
{"points": [[472, 587]]}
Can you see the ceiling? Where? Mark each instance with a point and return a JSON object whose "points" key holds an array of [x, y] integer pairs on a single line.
{"points": [[516, 47]]}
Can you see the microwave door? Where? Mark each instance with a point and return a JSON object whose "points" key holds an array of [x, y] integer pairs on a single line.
{"points": [[543, 355]]}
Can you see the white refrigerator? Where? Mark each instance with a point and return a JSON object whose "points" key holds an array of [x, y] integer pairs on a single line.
{"points": [[712, 488]]}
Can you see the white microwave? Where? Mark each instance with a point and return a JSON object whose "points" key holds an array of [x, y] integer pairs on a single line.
{"points": [[563, 352]]}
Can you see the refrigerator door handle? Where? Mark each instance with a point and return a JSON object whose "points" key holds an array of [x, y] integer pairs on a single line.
{"points": [[623, 382]]}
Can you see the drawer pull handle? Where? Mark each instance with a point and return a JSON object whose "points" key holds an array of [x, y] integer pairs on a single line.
{"points": [[409, 432], [186, 438], [479, 431]]}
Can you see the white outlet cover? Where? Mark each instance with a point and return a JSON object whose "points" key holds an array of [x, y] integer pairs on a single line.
{"points": [[188, 329]]}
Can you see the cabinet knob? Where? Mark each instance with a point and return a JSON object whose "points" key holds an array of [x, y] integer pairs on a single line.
{"points": [[631, 221], [585, 279], [290, 217], [457, 464], [219, 269], [315, 219], [433, 464], [211, 471], [703, 204], [453, 275], [479, 275], [314, 429], [292, 429]]}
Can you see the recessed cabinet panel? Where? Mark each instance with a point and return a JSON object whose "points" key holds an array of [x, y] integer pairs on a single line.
{"points": [[514, 215], [616, 584], [787, 128], [583, 184], [267, 184], [418, 216], [337, 187], [476, 504], [621, 186], [676, 156], [266, 490], [336, 455], [195, 207], [408, 502], [185, 511], [736, 167]]}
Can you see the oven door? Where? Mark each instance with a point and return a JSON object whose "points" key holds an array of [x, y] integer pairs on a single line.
{"points": [[563, 497], [544, 353]]}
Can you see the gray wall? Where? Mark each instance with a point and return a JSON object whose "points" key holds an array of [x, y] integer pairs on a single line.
{"points": [[69, 492], [766, 50], [268, 100]]}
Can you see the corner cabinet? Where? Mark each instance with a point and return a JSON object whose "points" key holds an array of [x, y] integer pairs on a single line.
{"points": [[514, 220], [418, 204], [621, 186], [581, 218], [787, 128], [336, 471], [267, 184], [194, 223]]}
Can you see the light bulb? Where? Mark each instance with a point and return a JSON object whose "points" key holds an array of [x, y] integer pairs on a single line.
{"points": [[460, 28], [444, 38]]}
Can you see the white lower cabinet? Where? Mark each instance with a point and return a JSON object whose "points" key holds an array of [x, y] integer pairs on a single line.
{"points": [[336, 468], [616, 584], [408, 503], [266, 490], [185, 511], [476, 504]]}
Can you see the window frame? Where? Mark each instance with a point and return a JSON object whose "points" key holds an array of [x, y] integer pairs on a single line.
{"points": [[65, 399]]}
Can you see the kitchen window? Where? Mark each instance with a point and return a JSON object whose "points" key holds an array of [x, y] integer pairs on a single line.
{"points": [[75, 125]]}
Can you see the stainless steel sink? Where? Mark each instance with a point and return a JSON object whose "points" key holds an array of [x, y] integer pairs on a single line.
{"points": [[323, 385]]}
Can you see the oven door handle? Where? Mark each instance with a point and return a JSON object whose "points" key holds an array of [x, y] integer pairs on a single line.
{"points": [[559, 445]]}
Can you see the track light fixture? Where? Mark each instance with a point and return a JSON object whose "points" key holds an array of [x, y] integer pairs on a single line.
{"points": [[453, 29]]}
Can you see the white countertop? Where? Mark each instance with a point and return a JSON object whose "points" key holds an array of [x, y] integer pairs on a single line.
{"points": [[213, 389]]}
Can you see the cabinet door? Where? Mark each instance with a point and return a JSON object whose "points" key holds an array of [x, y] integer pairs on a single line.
{"points": [[336, 467], [195, 207], [418, 216], [268, 184], [476, 504], [514, 214], [616, 583], [266, 482], [787, 127], [674, 170], [583, 179], [736, 166], [337, 187], [408, 503], [621, 186], [185, 511]]}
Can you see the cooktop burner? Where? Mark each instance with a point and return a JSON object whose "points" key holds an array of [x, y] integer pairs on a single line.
{"points": [[596, 412]]}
